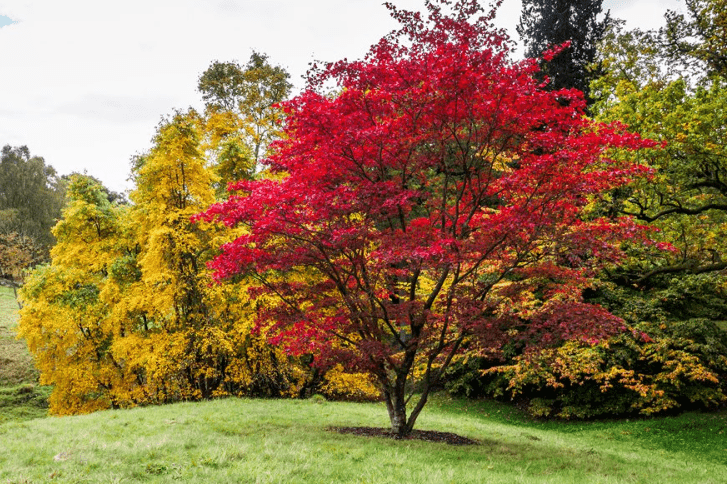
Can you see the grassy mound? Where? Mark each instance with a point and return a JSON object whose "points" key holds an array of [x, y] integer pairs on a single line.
{"points": [[288, 441]]}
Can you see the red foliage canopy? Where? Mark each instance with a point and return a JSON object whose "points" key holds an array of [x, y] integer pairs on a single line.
{"points": [[436, 197]]}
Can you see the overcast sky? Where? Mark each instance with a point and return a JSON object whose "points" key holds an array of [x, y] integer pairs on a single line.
{"points": [[84, 83]]}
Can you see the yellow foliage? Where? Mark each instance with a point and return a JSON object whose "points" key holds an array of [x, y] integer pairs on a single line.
{"points": [[127, 313], [576, 364], [349, 386]]}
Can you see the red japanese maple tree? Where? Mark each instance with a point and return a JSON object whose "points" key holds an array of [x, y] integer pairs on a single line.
{"points": [[435, 200]]}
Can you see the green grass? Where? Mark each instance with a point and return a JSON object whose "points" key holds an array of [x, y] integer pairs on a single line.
{"points": [[286, 441], [20, 396]]}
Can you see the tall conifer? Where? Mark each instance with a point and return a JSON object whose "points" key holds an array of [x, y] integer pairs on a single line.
{"points": [[547, 23]]}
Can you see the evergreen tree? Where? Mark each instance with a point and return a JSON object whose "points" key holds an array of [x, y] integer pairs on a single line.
{"points": [[548, 23]]}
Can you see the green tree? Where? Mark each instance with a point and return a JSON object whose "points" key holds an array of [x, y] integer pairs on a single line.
{"points": [[686, 198], [675, 288], [699, 39], [31, 195], [548, 23]]}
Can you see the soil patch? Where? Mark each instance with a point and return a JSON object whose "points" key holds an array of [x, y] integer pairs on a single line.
{"points": [[427, 435]]}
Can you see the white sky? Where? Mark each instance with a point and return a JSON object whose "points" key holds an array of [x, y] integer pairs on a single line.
{"points": [[84, 83]]}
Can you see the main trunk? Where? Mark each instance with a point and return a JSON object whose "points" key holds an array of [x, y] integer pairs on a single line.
{"points": [[396, 405]]}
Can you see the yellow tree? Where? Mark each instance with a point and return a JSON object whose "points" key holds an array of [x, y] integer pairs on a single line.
{"points": [[242, 113], [187, 338], [63, 319], [171, 343]]}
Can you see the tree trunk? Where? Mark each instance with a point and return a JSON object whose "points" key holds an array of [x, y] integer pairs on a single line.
{"points": [[396, 405], [15, 293]]}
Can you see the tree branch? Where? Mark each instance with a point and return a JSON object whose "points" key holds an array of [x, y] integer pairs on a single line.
{"points": [[688, 268], [678, 210]]}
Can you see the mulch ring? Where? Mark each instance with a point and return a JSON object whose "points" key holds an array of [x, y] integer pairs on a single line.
{"points": [[427, 435]]}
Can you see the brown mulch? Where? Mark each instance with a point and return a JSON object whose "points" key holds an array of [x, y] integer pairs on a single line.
{"points": [[427, 435]]}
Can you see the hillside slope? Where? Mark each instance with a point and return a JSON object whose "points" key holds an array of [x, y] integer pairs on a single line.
{"points": [[239, 440]]}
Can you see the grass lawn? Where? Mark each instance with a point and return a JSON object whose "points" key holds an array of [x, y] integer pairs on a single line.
{"points": [[20, 396], [286, 441]]}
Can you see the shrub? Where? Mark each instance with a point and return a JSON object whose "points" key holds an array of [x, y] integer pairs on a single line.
{"points": [[652, 369], [339, 385]]}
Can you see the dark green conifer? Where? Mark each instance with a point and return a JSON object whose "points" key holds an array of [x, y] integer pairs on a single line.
{"points": [[547, 23]]}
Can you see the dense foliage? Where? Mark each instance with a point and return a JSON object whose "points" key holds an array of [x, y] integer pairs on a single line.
{"points": [[31, 196], [17, 254], [125, 313], [672, 300], [434, 200]]}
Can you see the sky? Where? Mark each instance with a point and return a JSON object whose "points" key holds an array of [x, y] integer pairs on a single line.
{"points": [[84, 83]]}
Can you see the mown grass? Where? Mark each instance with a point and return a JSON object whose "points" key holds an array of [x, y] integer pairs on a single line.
{"points": [[286, 441], [701, 435], [277, 441], [20, 396]]}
